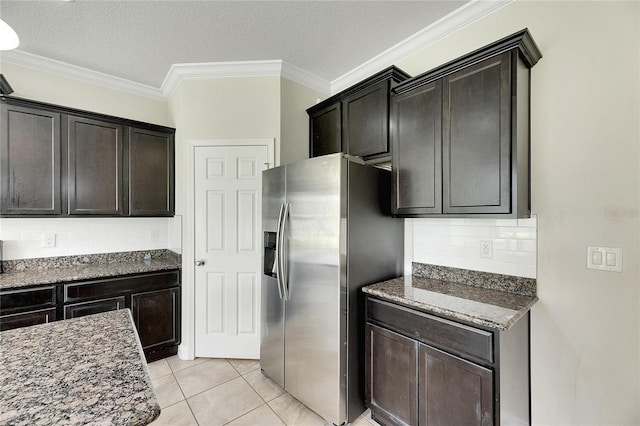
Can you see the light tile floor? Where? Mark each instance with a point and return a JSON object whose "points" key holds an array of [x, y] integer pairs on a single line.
{"points": [[209, 392]]}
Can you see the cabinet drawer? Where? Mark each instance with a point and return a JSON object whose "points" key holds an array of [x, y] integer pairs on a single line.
{"points": [[104, 288], [439, 332], [95, 307], [25, 319], [19, 300]]}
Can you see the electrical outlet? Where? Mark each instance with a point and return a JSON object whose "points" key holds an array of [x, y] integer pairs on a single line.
{"points": [[486, 249], [49, 240], [154, 235]]}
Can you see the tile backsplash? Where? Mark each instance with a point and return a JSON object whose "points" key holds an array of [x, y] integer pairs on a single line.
{"points": [[456, 243], [22, 238]]}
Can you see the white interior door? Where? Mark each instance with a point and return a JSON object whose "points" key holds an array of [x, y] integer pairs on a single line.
{"points": [[228, 208]]}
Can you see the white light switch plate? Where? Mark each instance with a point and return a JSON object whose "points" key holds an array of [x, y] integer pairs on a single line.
{"points": [[604, 258]]}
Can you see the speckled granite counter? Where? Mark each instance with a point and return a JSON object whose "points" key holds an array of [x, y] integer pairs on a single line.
{"points": [[34, 272], [482, 306], [87, 370]]}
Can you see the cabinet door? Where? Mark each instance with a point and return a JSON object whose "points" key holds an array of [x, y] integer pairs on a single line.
{"points": [[26, 319], [365, 121], [30, 162], [94, 307], [95, 167], [151, 168], [391, 369], [477, 138], [326, 125], [453, 391], [157, 317], [417, 150]]}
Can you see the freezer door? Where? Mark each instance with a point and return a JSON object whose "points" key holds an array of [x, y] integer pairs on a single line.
{"points": [[272, 305], [315, 329]]}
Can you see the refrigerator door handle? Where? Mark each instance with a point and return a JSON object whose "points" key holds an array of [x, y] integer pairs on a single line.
{"points": [[284, 255], [279, 252]]}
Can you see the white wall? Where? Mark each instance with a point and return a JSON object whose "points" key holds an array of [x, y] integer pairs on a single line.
{"points": [[23, 237], [585, 330], [294, 100], [221, 108], [47, 87], [456, 243]]}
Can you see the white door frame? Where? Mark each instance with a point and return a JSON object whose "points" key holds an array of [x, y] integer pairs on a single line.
{"points": [[186, 350]]}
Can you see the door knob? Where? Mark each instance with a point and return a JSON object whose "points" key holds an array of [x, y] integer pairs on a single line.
{"points": [[199, 262]]}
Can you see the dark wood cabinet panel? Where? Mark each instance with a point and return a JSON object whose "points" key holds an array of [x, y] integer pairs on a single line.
{"points": [[391, 387], [365, 121], [462, 375], [417, 148], [453, 391], [477, 138], [26, 319], [455, 337], [156, 315], [356, 120], [58, 161], [325, 127], [12, 301], [481, 167], [95, 289], [30, 161], [153, 297], [94, 307], [95, 167], [151, 173]]}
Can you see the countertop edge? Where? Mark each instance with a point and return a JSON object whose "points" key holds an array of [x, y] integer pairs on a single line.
{"points": [[453, 314]]}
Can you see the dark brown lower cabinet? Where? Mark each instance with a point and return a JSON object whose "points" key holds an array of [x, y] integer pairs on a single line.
{"points": [[453, 391], [422, 369], [154, 300], [25, 307], [25, 319], [391, 388], [97, 306], [156, 315]]}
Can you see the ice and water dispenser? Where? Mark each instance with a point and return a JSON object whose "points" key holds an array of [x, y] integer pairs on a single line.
{"points": [[270, 253]]}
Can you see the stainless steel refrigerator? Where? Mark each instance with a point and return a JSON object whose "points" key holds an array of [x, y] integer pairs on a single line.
{"points": [[327, 232]]}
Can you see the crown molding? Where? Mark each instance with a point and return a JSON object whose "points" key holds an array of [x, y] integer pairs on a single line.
{"points": [[273, 68], [456, 20], [52, 66], [305, 78], [179, 72], [445, 26]]}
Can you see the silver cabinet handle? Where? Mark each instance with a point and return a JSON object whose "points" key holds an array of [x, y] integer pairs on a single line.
{"points": [[199, 262]]}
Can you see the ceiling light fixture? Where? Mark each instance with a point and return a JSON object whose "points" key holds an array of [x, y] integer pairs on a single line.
{"points": [[8, 37]]}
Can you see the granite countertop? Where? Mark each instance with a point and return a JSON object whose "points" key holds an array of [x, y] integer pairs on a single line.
{"points": [[59, 270], [87, 370], [482, 306]]}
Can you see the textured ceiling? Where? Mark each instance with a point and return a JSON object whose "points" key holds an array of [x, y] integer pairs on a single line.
{"points": [[140, 40]]}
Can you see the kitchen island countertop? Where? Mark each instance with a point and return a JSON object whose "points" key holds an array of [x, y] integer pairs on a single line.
{"points": [[481, 306], [87, 370]]}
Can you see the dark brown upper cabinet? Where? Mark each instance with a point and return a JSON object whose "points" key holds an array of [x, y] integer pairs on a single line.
{"points": [[325, 126], [356, 120], [30, 161], [95, 167], [417, 117], [151, 173], [59, 161], [461, 135]]}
